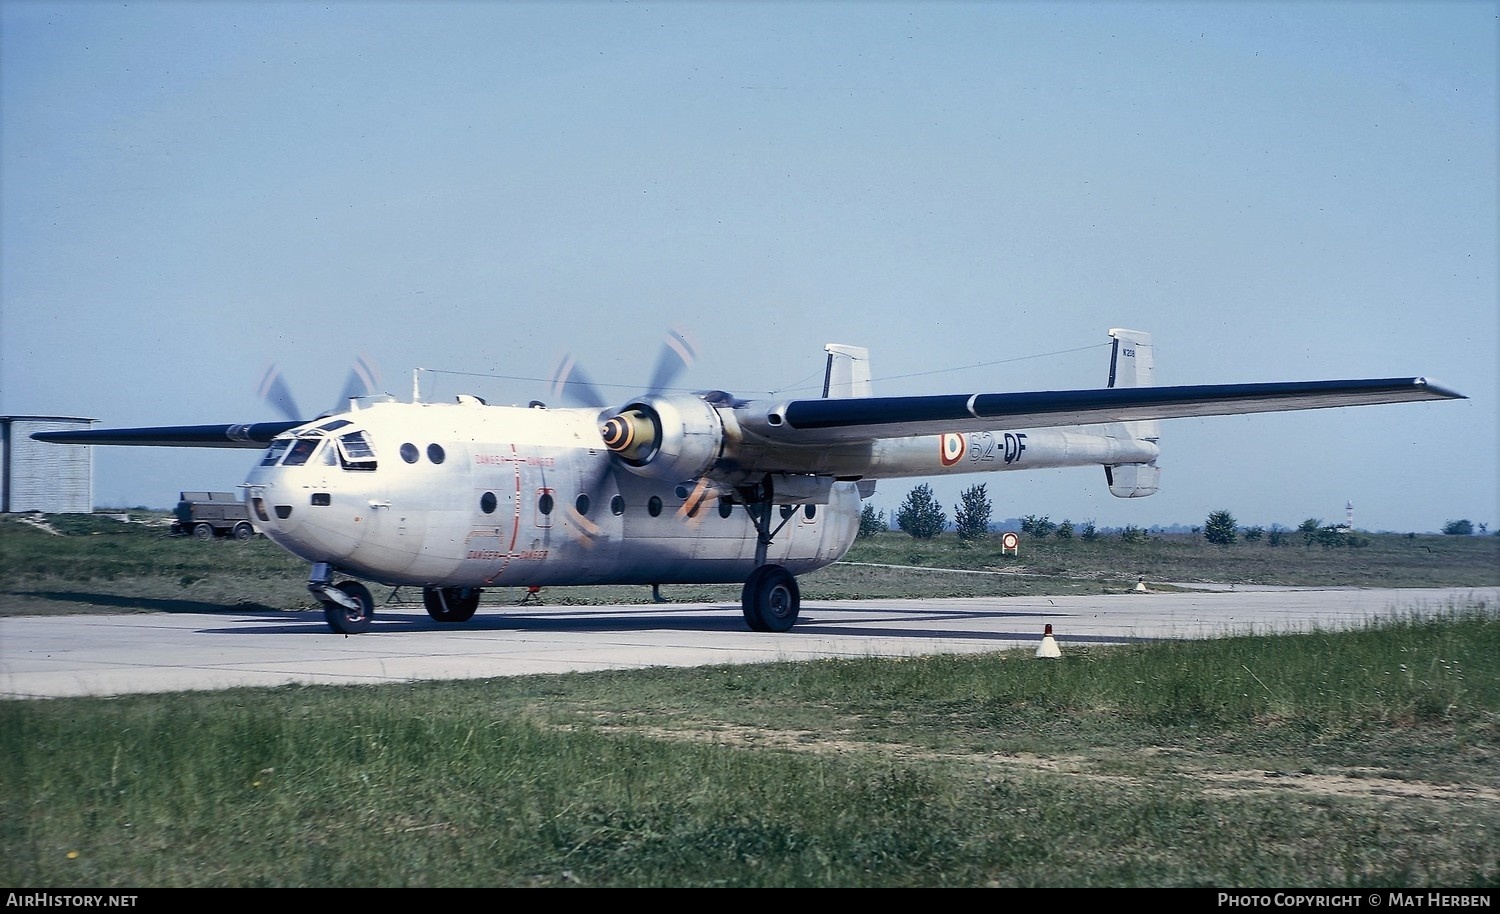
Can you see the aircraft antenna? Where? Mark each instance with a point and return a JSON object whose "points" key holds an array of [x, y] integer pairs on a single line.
{"points": [[416, 384]]}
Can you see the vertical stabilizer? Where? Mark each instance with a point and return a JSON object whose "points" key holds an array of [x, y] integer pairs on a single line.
{"points": [[1132, 360], [848, 375], [1132, 363], [848, 371]]}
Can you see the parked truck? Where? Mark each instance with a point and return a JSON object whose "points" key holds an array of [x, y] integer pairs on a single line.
{"points": [[210, 515]]}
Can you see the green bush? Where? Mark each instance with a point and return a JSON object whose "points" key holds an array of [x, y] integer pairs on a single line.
{"points": [[920, 515], [972, 515], [1220, 528]]}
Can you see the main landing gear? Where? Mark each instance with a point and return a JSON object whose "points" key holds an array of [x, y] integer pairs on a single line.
{"points": [[770, 598], [451, 604]]}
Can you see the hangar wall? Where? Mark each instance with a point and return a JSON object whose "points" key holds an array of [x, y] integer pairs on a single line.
{"points": [[52, 478]]}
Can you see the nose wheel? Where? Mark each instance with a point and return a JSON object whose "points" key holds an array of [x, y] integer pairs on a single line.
{"points": [[352, 614], [347, 606]]}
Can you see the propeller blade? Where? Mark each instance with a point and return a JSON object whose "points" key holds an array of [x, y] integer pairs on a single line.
{"points": [[678, 353], [569, 383], [273, 390], [362, 381], [703, 498]]}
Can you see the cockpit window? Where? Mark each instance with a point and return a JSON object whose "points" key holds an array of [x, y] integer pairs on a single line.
{"points": [[351, 450], [335, 425], [355, 451], [301, 450], [274, 452]]}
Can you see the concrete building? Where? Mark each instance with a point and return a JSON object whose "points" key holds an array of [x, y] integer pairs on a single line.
{"points": [[52, 478]]}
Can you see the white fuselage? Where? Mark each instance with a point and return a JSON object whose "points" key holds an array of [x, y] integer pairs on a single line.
{"points": [[469, 495]]}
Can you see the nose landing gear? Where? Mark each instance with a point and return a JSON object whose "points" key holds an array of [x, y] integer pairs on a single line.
{"points": [[348, 606]]}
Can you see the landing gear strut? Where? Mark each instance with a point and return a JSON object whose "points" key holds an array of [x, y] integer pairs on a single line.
{"points": [[770, 598]]}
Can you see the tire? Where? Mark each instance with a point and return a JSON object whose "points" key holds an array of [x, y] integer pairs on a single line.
{"points": [[451, 604], [346, 621], [204, 531], [748, 600], [771, 599], [243, 532]]}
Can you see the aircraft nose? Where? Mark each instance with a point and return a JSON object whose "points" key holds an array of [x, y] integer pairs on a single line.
{"points": [[269, 515], [303, 518]]}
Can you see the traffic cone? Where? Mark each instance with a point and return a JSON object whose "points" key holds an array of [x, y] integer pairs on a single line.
{"points": [[1048, 648]]}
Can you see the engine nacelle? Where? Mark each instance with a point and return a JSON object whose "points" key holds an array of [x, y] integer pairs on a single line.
{"points": [[669, 438]]}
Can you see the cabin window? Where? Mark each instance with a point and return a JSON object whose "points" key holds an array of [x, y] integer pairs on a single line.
{"points": [[275, 451], [487, 502], [409, 453], [582, 504], [435, 453], [544, 503], [810, 511], [788, 510], [617, 505], [653, 507]]}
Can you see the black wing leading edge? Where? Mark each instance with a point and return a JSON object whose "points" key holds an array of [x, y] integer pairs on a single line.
{"points": [[243, 435], [884, 417]]}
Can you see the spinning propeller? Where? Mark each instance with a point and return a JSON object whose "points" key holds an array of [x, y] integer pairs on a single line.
{"points": [[275, 391], [570, 383], [632, 433]]}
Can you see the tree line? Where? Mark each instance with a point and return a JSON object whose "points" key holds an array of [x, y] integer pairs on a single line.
{"points": [[922, 516]]}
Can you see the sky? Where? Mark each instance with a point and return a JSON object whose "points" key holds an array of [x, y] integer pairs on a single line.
{"points": [[977, 192]]}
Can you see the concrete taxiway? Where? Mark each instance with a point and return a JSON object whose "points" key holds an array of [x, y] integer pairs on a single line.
{"points": [[102, 655]]}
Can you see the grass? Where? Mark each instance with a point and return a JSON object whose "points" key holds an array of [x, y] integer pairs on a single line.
{"points": [[1351, 759], [106, 565]]}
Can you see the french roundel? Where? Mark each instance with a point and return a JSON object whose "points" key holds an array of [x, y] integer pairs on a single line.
{"points": [[953, 449]]}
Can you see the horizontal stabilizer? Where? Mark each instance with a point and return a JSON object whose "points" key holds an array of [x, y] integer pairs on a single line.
{"points": [[1133, 480]]}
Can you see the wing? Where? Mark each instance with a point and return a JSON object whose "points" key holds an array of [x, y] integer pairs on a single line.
{"points": [[869, 418], [243, 435]]}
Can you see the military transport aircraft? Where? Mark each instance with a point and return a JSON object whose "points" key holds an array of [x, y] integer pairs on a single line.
{"points": [[671, 487]]}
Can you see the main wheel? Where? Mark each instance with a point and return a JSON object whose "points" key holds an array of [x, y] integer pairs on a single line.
{"points": [[204, 531], [243, 531], [771, 599], [346, 620], [451, 604], [748, 603]]}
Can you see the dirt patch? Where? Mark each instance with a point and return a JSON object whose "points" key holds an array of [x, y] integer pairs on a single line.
{"points": [[1353, 783], [1365, 783], [39, 523]]}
